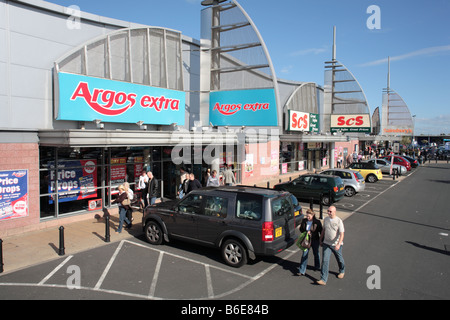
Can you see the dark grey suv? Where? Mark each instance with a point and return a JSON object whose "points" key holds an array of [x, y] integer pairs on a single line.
{"points": [[242, 221]]}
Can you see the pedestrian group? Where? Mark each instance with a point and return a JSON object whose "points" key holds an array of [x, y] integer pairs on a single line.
{"points": [[330, 236]]}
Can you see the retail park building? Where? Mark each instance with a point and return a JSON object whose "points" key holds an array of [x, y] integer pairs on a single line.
{"points": [[88, 102]]}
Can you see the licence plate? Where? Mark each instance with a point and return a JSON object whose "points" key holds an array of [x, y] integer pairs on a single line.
{"points": [[278, 232], [342, 188]]}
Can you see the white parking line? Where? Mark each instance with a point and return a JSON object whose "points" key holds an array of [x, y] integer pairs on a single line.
{"points": [[54, 271], [105, 272], [156, 275], [209, 282]]}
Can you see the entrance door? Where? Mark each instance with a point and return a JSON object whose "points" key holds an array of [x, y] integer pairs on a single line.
{"points": [[169, 178]]}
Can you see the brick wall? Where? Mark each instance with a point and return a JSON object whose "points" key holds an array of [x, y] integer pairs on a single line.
{"points": [[15, 156]]}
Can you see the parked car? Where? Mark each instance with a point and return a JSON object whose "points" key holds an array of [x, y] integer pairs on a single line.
{"points": [[369, 171], [314, 186], [242, 221], [400, 161], [353, 180], [385, 166], [298, 212], [414, 163]]}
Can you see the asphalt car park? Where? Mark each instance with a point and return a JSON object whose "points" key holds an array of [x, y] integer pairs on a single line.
{"points": [[176, 270], [350, 204]]}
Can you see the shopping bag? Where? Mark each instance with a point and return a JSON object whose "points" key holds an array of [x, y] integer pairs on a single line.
{"points": [[304, 241]]}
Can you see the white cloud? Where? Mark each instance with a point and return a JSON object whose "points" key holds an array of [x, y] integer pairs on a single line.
{"points": [[287, 69], [435, 125], [417, 53], [308, 51]]}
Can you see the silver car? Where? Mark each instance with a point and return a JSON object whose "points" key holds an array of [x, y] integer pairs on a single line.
{"points": [[385, 166], [353, 180]]}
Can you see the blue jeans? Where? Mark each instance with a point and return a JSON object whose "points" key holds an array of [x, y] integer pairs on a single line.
{"points": [[122, 218], [304, 261], [326, 253], [152, 200]]}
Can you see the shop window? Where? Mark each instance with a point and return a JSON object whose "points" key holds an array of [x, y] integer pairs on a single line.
{"points": [[73, 179]]}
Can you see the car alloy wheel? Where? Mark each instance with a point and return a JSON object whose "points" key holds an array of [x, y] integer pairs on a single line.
{"points": [[153, 233], [372, 179], [234, 253], [350, 192], [326, 200]]}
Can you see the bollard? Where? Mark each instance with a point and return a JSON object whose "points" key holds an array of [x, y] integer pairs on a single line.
{"points": [[268, 184], [107, 236], [61, 241], [311, 200], [1, 255]]}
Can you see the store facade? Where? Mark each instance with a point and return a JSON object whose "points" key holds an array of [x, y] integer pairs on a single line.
{"points": [[89, 107]]}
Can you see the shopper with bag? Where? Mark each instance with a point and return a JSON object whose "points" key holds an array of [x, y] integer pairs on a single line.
{"points": [[124, 205], [311, 227]]}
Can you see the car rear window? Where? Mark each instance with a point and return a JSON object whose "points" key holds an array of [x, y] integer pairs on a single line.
{"points": [[248, 206], [359, 175], [281, 207]]}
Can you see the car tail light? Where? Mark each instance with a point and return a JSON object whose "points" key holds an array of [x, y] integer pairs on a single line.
{"points": [[336, 189], [267, 231]]}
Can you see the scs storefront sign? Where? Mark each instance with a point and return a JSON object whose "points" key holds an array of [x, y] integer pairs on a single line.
{"points": [[350, 123], [84, 98], [243, 108], [303, 121], [13, 194]]}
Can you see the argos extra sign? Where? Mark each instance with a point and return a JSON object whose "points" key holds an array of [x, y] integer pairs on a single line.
{"points": [[350, 123], [84, 98], [243, 108]]}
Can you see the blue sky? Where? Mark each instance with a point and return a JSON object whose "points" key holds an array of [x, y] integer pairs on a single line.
{"points": [[298, 34]]}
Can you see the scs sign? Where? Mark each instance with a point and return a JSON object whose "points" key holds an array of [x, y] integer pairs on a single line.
{"points": [[298, 121], [350, 123]]}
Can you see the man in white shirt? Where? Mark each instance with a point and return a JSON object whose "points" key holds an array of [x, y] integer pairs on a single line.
{"points": [[332, 239], [143, 186]]}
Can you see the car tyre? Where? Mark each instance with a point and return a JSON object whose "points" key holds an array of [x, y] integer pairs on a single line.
{"points": [[372, 178], [234, 253], [349, 191], [326, 200], [153, 233]]}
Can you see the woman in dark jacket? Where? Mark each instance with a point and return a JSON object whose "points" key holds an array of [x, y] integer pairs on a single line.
{"points": [[314, 228], [122, 208]]}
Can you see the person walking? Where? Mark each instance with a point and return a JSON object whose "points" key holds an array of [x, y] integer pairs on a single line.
{"points": [[152, 188], [182, 187], [228, 176], [123, 207], [130, 195], [143, 186], [332, 240], [313, 226], [213, 180], [193, 183]]}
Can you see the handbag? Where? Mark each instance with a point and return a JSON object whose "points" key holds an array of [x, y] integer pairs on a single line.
{"points": [[304, 241], [126, 202]]}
